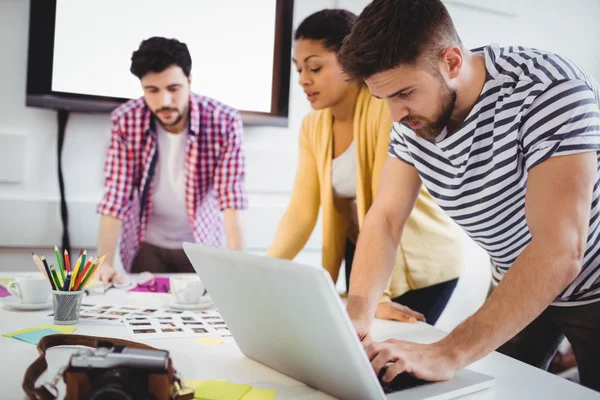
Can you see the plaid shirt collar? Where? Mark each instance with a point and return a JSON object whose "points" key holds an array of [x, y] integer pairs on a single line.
{"points": [[194, 116]]}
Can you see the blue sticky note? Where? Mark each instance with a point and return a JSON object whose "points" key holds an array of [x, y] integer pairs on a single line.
{"points": [[34, 337]]}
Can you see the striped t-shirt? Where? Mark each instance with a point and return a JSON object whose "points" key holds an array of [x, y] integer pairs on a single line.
{"points": [[534, 105]]}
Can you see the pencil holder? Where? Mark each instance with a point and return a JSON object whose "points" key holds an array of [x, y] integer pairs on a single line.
{"points": [[66, 306]]}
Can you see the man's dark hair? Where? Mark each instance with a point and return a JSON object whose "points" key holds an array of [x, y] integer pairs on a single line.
{"points": [[331, 26], [389, 33], [157, 54]]}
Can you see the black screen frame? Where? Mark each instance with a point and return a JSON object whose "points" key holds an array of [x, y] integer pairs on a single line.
{"points": [[39, 93]]}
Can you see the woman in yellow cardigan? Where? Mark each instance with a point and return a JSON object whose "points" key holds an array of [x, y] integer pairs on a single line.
{"points": [[343, 146]]}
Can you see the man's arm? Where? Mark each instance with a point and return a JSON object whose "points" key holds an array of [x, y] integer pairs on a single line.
{"points": [[229, 181], [110, 228], [118, 187], [559, 193], [378, 241], [558, 199], [233, 230]]}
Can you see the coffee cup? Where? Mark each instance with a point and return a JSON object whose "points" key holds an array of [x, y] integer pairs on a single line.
{"points": [[187, 290], [30, 288]]}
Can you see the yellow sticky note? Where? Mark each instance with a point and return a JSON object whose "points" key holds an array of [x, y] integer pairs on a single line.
{"points": [[193, 384], [221, 391], [9, 335], [209, 341], [260, 394], [60, 328], [6, 281]]}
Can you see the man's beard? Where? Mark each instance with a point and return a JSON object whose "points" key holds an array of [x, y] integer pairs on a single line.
{"points": [[430, 130], [177, 120]]}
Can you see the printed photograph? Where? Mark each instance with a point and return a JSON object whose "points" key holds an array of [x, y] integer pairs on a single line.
{"points": [[121, 313], [166, 330], [140, 331]]}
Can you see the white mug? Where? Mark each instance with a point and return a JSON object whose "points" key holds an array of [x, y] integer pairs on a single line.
{"points": [[30, 288], [187, 289]]}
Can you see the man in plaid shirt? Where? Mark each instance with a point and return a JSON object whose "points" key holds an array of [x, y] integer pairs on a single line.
{"points": [[174, 170]]}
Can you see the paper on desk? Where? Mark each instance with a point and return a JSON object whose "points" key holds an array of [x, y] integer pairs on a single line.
{"points": [[4, 292], [34, 337], [154, 285], [221, 391], [58, 328], [6, 281], [194, 383], [260, 394], [209, 341]]}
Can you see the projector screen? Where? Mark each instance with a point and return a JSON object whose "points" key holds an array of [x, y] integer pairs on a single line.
{"points": [[80, 50]]}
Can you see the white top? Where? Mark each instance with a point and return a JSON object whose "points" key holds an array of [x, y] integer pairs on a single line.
{"points": [[514, 380], [343, 180], [168, 224]]}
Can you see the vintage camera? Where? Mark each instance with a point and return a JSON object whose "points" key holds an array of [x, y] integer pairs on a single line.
{"points": [[109, 372]]}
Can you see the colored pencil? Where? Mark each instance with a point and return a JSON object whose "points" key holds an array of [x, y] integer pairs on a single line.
{"points": [[67, 285], [60, 266], [57, 281], [83, 273], [83, 257], [67, 262], [39, 264], [76, 270], [49, 276], [55, 277], [91, 273]]}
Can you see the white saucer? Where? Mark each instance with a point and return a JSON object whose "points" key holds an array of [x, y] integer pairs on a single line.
{"points": [[205, 303], [15, 302]]}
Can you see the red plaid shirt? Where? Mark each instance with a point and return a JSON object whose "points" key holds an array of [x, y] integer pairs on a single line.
{"points": [[214, 163]]}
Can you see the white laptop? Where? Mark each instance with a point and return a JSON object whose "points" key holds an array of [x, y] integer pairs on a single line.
{"points": [[289, 317]]}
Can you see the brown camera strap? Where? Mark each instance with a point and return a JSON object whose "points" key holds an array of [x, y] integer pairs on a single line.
{"points": [[37, 368]]}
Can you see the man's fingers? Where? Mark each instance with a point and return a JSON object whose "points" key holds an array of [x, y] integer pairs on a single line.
{"points": [[385, 356], [118, 278], [105, 277], [373, 349], [393, 370]]}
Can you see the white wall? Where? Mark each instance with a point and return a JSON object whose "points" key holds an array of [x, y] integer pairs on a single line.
{"points": [[29, 194], [569, 28], [29, 213]]}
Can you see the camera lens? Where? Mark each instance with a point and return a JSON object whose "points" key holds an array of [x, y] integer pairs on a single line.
{"points": [[120, 384], [111, 392]]}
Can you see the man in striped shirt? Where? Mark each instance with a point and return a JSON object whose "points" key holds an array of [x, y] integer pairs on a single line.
{"points": [[507, 141]]}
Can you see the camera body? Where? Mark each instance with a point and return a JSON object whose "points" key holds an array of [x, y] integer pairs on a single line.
{"points": [[112, 372]]}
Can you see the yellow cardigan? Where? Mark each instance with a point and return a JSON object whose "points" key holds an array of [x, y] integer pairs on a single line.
{"points": [[429, 251]]}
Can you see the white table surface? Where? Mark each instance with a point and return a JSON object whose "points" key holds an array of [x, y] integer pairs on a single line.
{"points": [[514, 380]]}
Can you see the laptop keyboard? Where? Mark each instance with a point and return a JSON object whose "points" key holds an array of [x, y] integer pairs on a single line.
{"points": [[400, 382]]}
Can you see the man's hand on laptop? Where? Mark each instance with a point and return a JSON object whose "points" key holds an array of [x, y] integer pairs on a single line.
{"points": [[431, 362], [108, 274], [397, 312]]}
